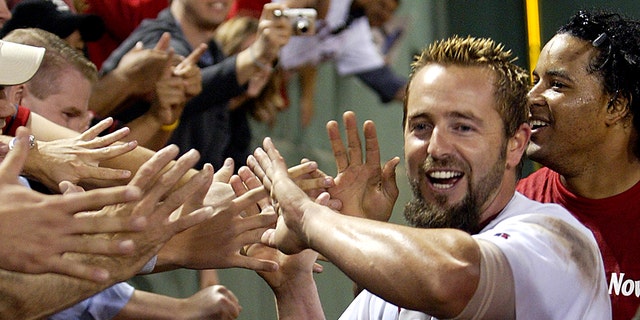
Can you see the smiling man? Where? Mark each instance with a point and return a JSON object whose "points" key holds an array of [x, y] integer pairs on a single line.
{"points": [[477, 248], [584, 112]]}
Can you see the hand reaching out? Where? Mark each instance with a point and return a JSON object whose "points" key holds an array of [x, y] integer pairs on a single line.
{"points": [[158, 179], [77, 159], [365, 189], [217, 242], [38, 229], [214, 302]]}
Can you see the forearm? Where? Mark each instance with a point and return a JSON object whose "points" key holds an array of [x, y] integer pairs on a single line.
{"points": [[147, 130], [299, 299], [44, 129], [29, 296], [435, 271], [108, 93], [147, 305], [247, 64]]}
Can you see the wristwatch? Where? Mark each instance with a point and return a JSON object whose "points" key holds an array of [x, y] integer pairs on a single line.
{"points": [[32, 142]]}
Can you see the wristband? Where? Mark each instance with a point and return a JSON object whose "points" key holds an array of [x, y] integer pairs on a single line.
{"points": [[170, 127], [32, 142]]}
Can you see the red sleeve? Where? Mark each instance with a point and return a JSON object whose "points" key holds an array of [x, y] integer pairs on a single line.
{"points": [[121, 17], [13, 122]]}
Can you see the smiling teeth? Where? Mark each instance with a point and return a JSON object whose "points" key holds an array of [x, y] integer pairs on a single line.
{"points": [[444, 174], [538, 123]]}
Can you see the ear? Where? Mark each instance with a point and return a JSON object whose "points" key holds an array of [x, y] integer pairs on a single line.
{"points": [[16, 93], [517, 145], [617, 109]]}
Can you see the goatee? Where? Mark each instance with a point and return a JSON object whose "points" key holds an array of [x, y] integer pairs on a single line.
{"points": [[464, 215], [422, 214]]}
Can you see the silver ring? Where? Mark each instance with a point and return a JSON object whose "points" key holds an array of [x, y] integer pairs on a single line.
{"points": [[32, 142]]}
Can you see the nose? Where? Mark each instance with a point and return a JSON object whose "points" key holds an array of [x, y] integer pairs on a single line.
{"points": [[439, 144], [535, 96]]}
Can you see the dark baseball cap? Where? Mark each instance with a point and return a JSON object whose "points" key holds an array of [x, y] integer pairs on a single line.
{"points": [[46, 15]]}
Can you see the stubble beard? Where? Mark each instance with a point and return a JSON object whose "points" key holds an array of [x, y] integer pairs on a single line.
{"points": [[198, 20]]}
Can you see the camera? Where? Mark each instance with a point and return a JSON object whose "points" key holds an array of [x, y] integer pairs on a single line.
{"points": [[303, 20]]}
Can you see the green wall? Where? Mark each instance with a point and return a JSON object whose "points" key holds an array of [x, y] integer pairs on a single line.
{"points": [[429, 20]]}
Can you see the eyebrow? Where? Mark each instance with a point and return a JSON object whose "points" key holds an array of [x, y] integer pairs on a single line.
{"points": [[451, 115], [556, 73]]}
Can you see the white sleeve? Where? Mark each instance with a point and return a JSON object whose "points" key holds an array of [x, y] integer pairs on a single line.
{"points": [[495, 296]]}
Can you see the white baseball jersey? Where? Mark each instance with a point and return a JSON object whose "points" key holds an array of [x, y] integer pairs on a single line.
{"points": [[556, 265]]}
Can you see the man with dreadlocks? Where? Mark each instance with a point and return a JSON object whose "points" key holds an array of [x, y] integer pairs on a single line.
{"points": [[585, 121], [477, 248]]}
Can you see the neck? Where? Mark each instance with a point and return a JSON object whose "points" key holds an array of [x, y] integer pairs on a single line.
{"points": [[605, 179], [612, 170]]}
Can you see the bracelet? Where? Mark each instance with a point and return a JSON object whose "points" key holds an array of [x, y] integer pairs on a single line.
{"points": [[257, 62], [32, 142], [170, 127]]}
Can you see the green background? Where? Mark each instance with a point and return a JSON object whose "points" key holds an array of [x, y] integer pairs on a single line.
{"points": [[504, 21]]}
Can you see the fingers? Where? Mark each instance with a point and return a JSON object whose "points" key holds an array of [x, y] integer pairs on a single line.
{"points": [[80, 270], [147, 172], [308, 177], [353, 138], [163, 43], [97, 245], [255, 167], [200, 194], [106, 140], [371, 144], [95, 131], [13, 163], [339, 150], [389, 184], [252, 196], [191, 59], [168, 180], [193, 218], [224, 174], [256, 264], [96, 199], [103, 173], [250, 181]]}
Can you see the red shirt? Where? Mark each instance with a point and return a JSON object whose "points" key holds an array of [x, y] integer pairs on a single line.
{"points": [[615, 223], [13, 122], [120, 17]]}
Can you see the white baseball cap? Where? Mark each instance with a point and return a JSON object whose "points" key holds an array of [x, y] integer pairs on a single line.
{"points": [[18, 62]]}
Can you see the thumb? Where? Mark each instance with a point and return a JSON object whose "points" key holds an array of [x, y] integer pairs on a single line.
{"points": [[389, 184]]}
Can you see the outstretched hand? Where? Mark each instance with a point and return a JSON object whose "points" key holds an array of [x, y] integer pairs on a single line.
{"points": [[37, 229], [158, 179], [77, 159], [218, 242], [289, 200], [365, 189]]}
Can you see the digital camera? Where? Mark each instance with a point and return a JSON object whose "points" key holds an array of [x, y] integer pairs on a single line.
{"points": [[303, 20]]}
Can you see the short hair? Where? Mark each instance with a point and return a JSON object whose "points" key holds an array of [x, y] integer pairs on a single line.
{"points": [[58, 56], [511, 81], [617, 39]]}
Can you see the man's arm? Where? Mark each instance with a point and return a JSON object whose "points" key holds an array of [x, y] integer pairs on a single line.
{"points": [[38, 229], [46, 130], [440, 268], [214, 302], [38, 295], [135, 75]]}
